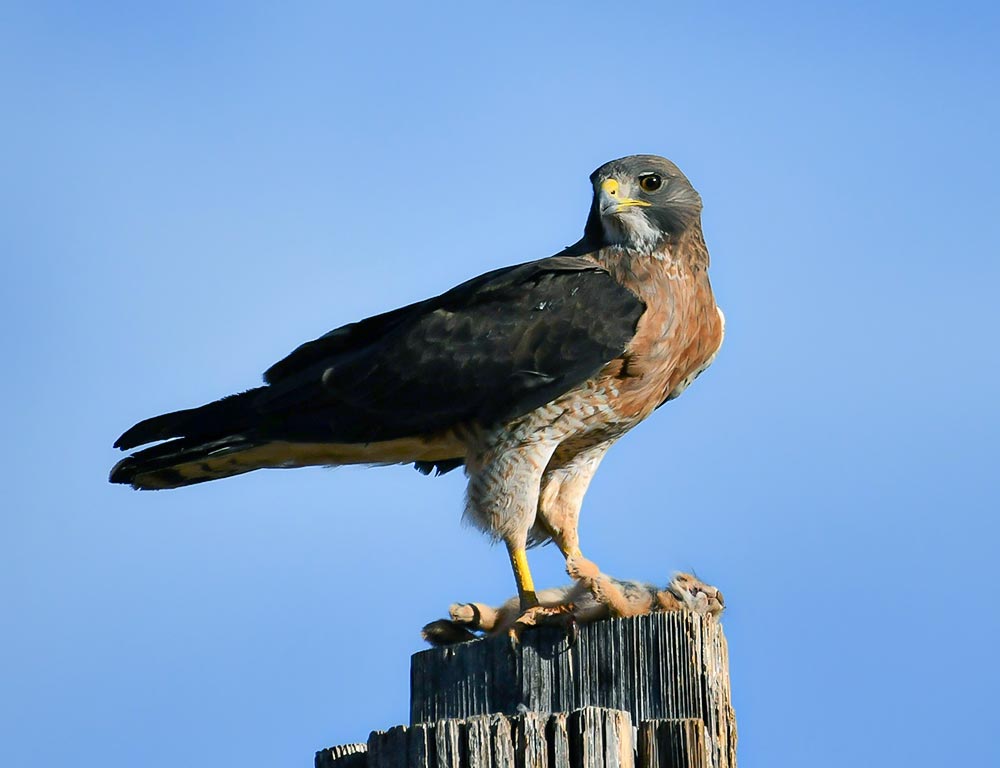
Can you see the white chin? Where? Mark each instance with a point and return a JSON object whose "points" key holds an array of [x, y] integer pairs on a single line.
{"points": [[630, 229]]}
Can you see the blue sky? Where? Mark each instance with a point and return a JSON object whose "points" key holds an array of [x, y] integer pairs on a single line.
{"points": [[189, 190]]}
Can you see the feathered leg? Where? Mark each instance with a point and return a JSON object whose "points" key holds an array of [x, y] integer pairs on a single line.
{"points": [[563, 488], [504, 484], [504, 481]]}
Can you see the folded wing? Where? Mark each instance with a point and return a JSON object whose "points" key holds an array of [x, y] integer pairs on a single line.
{"points": [[486, 351]]}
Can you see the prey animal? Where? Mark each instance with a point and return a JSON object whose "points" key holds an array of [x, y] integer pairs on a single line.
{"points": [[525, 376], [592, 598]]}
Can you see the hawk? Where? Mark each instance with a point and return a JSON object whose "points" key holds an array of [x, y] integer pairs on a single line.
{"points": [[525, 376]]}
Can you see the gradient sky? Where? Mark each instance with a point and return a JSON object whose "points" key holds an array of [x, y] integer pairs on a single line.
{"points": [[189, 190]]}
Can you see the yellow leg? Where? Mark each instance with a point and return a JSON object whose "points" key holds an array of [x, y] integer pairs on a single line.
{"points": [[532, 612], [522, 575]]}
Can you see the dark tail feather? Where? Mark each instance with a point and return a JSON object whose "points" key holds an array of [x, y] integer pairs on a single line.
{"points": [[211, 442], [230, 414], [185, 462]]}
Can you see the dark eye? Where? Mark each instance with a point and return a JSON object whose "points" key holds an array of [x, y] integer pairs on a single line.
{"points": [[650, 182]]}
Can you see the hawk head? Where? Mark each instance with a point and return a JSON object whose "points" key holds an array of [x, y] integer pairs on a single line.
{"points": [[640, 202]]}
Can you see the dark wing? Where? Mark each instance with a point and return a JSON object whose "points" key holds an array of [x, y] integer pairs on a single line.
{"points": [[490, 349]]}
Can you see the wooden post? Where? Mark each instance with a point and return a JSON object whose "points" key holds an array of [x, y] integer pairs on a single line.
{"points": [[488, 704], [674, 744], [346, 756]]}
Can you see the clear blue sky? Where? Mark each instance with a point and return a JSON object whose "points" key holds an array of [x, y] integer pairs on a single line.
{"points": [[189, 190]]}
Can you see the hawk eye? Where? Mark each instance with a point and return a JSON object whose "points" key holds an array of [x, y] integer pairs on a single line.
{"points": [[650, 182]]}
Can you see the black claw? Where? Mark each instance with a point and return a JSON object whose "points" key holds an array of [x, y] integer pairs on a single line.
{"points": [[514, 640], [572, 632]]}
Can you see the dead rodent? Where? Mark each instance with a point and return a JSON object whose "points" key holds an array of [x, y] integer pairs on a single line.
{"points": [[590, 599]]}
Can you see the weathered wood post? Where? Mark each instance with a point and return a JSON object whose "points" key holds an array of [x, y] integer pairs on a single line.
{"points": [[647, 691]]}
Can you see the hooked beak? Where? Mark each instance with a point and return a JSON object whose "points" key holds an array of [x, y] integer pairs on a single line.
{"points": [[612, 201]]}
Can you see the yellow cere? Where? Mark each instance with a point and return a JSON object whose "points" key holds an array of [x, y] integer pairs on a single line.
{"points": [[611, 186]]}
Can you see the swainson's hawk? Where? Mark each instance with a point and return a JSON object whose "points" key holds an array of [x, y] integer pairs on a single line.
{"points": [[525, 375]]}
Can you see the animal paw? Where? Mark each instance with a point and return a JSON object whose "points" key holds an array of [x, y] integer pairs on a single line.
{"points": [[465, 620], [465, 613]]}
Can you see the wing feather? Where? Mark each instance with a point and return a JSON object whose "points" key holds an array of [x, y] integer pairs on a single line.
{"points": [[488, 350]]}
